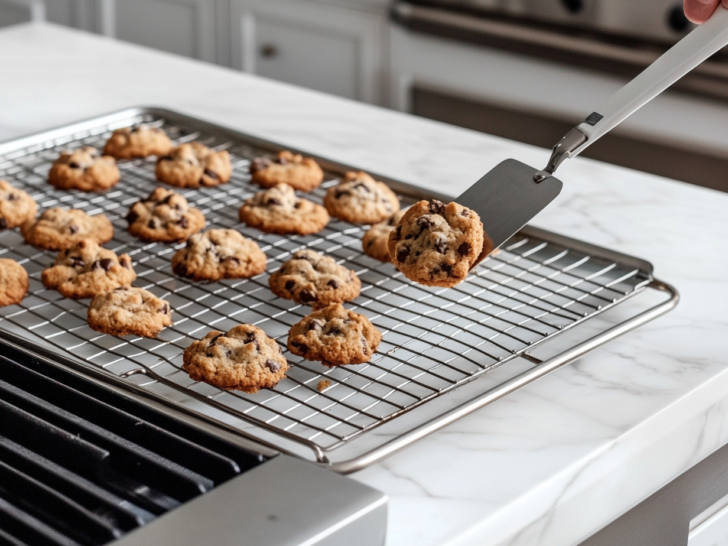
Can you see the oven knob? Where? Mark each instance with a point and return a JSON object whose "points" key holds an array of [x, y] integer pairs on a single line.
{"points": [[574, 6], [677, 20]]}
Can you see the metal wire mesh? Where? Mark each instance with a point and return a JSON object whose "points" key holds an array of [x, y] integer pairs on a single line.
{"points": [[433, 339]]}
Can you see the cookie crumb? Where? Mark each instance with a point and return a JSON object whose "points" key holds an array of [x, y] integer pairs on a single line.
{"points": [[323, 385]]}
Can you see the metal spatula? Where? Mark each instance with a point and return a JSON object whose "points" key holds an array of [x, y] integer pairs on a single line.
{"points": [[513, 193]]}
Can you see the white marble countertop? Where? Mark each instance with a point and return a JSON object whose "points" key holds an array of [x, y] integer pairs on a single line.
{"points": [[560, 458]]}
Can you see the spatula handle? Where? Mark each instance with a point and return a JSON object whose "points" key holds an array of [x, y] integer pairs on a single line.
{"points": [[688, 53]]}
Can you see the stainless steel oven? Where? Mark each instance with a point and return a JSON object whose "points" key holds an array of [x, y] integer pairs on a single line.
{"points": [[526, 69]]}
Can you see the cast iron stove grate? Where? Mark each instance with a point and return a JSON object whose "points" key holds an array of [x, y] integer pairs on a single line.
{"points": [[435, 340], [83, 465]]}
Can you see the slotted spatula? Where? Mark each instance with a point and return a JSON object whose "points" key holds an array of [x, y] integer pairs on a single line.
{"points": [[513, 193]]}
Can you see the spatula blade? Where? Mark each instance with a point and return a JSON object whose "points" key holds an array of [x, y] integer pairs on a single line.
{"points": [[506, 199]]}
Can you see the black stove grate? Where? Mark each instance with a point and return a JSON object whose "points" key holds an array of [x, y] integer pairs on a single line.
{"points": [[82, 465]]}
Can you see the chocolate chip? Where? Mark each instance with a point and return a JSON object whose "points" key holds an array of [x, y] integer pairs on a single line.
{"points": [[3, 223], [364, 345], [315, 326], [302, 347], [180, 269], [212, 174], [77, 262], [125, 262], [250, 338], [333, 283], [362, 186], [403, 253], [165, 309], [464, 249], [333, 331], [307, 296], [74, 165], [425, 222], [465, 212], [272, 365], [289, 285], [166, 158], [446, 268], [339, 193], [152, 224], [12, 197], [273, 201], [214, 339], [398, 233], [106, 263], [304, 256], [167, 199], [441, 246], [183, 223], [232, 259], [297, 205], [259, 164], [132, 217], [410, 236], [437, 207], [73, 228]]}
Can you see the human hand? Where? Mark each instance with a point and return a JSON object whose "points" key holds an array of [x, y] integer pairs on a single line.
{"points": [[699, 11]]}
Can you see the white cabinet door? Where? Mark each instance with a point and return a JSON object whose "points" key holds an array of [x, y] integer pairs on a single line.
{"points": [[328, 48], [185, 27]]}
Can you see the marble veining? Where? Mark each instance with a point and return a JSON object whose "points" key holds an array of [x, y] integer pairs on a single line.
{"points": [[556, 460]]}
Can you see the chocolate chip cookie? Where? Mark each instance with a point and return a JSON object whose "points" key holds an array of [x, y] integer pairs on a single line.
{"points": [[244, 358], [13, 282], [219, 254], [278, 210], [164, 216], [84, 169], [335, 336], [128, 311], [375, 242], [313, 279], [16, 206], [301, 173], [86, 269], [138, 141], [194, 165], [58, 229], [361, 200], [436, 244]]}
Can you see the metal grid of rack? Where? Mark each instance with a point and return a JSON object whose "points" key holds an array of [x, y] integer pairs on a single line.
{"points": [[434, 340]]}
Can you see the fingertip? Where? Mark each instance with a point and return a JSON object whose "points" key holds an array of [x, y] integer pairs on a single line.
{"points": [[699, 11]]}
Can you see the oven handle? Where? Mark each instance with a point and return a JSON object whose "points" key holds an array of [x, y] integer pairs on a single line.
{"points": [[696, 47]]}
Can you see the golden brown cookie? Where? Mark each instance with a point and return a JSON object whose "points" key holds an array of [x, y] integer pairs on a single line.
{"points": [[219, 254], [87, 269], [375, 242], [301, 173], [194, 165], [244, 358], [335, 336], [128, 311], [13, 282], [164, 216], [436, 244], [313, 279], [84, 169], [278, 210], [58, 228], [361, 200], [16, 206], [139, 141]]}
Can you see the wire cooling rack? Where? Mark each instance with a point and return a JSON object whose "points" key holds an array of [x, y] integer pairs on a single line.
{"points": [[434, 340]]}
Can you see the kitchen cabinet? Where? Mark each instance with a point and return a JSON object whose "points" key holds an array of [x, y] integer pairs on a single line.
{"points": [[288, 40]]}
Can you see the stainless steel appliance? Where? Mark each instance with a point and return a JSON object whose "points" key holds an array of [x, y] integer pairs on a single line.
{"points": [[542, 302], [596, 42]]}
